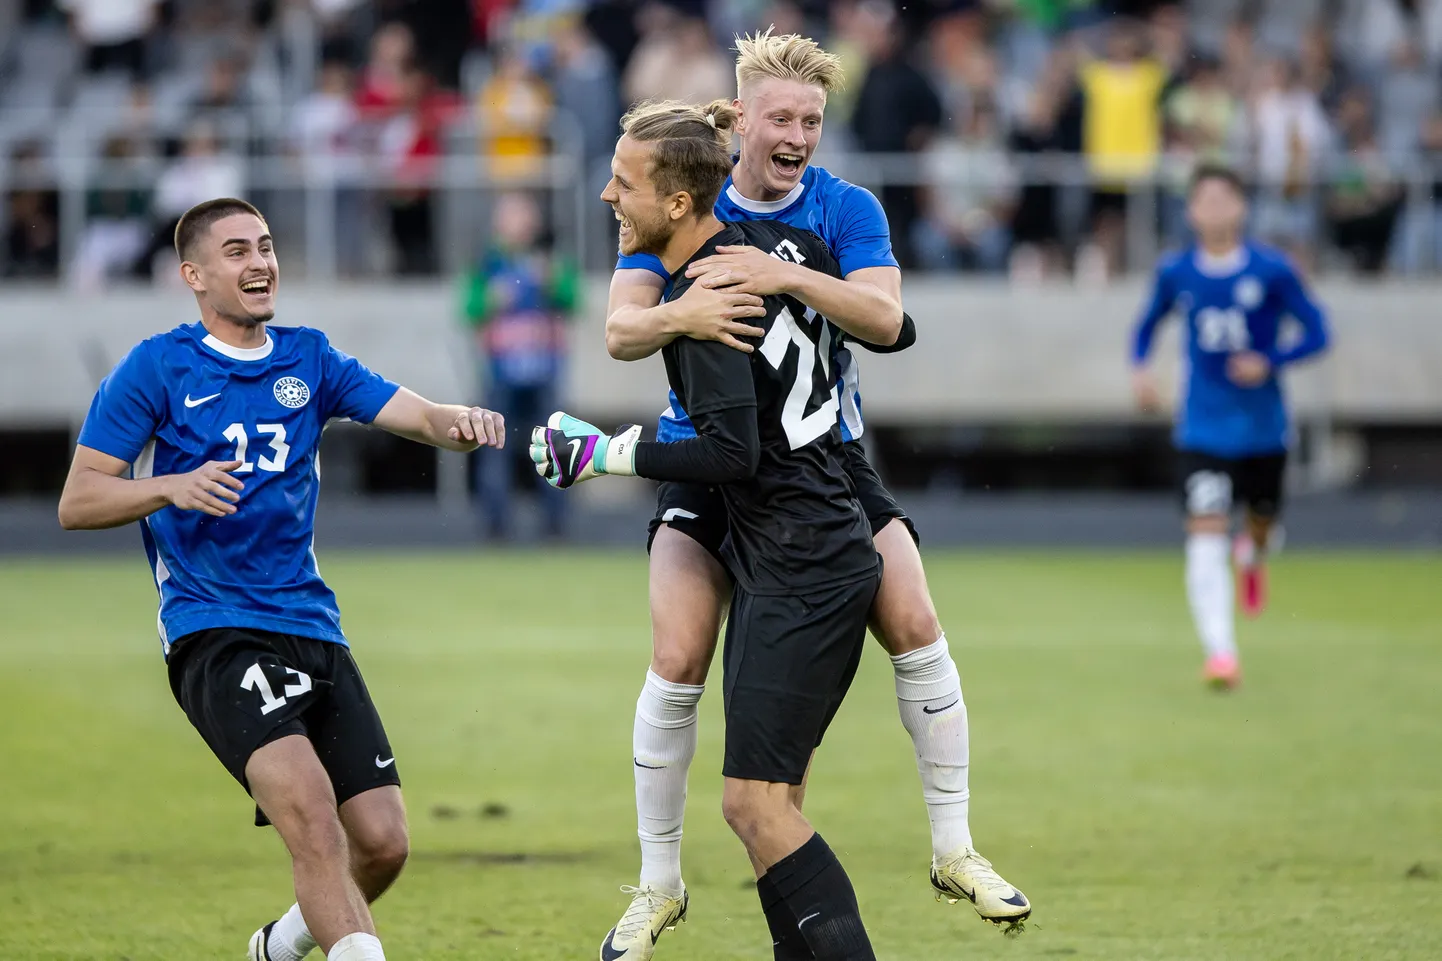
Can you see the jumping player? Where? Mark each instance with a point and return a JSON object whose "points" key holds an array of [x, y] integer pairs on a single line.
{"points": [[1232, 432], [207, 435], [782, 84], [799, 545]]}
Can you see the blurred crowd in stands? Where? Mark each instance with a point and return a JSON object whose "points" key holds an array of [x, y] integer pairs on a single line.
{"points": [[1027, 138]]}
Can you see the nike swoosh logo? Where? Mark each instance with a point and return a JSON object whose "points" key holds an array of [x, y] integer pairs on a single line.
{"points": [[388, 763], [609, 953], [575, 452], [199, 400], [927, 710], [649, 767]]}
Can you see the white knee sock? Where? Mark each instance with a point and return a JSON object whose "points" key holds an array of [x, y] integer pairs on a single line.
{"points": [[1209, 590], [290, 939], [928, 693], [663, 743], [357, 947]]}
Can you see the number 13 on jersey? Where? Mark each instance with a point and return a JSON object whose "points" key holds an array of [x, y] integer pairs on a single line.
{"points": [[275, 463]]}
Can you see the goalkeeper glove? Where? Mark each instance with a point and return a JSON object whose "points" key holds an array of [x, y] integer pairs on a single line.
{"points": [[568, 451]]}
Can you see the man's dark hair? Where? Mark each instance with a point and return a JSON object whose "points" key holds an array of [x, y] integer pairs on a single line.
{"points": [[1216, 171], [198, 219]]}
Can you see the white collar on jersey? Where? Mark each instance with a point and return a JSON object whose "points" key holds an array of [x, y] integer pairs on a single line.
{"points": [[765, 206], [1222, 265], [239, 353]]}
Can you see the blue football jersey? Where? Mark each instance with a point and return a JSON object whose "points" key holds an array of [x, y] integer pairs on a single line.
{"points": [[853, 225], [1232, 304], [183, 398]]}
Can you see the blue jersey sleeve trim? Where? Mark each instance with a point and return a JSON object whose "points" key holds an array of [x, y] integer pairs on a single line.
{"points": [[642, 262]]}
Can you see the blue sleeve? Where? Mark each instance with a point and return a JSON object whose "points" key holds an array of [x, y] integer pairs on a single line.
{"points": [[1298, 303], [859, 234], [127, 408], [1163, 297], [352, 390], [642, 262]]}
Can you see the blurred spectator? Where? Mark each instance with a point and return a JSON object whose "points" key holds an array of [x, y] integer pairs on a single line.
{"points": [[1205, 123], [1291, 135], [205, 169], [387, 67], [1121, 136], [223, 90], [971, 198], [1365, 195], [1321, 71], [678, 60], [1036, 143], [113, 32], [514, 111], [897, 111], [117, 223], [32, 234], [1419, 245], [518, 299], [411, 145], [585, 86], [1407, 96], [1370, 30], [325, 131]]}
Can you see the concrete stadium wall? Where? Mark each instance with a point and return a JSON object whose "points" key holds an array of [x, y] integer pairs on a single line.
{"points": [[986, 351]]}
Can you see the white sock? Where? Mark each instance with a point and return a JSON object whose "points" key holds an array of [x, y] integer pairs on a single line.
{"points": [[663, 743], [928, 693], [1209, 590], [290, 939], [357, 947]]}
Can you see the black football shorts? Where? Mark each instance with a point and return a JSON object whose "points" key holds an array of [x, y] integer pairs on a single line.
{"points": [[243, 688], [876, 501], [789, 661], [699, 511], [1209, 484]]}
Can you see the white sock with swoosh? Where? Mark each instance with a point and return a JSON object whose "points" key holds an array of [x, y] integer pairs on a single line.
{"points": [[290, 939], [928, 694]]}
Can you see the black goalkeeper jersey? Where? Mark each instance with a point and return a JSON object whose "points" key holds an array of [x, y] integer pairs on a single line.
{"points": [[767, 433]]}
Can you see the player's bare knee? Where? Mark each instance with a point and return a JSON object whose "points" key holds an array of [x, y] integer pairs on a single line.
{"points": [[681, 662], [909, 629], [382, 855]]}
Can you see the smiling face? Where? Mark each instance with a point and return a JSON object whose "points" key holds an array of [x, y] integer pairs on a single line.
{"points": [[781, 126], [645, 214], [234, 271]]}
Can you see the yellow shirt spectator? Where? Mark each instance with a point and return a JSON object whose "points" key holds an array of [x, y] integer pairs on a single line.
{"points": [[1122, 133]]}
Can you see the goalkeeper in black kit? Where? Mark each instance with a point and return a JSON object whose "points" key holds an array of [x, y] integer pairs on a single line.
{"points": [[799, 545]]}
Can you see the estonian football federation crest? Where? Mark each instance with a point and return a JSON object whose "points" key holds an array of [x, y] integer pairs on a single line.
{"points": [[292, 392], [1247, 294]]}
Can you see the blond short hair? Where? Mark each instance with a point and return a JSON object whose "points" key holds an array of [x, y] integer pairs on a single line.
{"points": [[790, 56], [691, 149]]}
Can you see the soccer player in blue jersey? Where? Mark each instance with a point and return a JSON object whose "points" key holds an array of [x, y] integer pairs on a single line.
{"points": [[782, 84], [208, 436], [1232, 431]]}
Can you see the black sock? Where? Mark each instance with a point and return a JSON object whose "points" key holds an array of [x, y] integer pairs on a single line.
{"points": [[813, 884], [786, 941]]}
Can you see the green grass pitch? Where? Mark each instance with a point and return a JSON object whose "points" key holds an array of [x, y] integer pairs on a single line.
{"points": [[1147, 818]]}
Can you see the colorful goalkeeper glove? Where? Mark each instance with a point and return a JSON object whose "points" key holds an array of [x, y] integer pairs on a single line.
{"points": [[568, 451]]}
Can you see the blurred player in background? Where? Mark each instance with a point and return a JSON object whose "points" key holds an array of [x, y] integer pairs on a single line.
{"points": [[799, 544], [782, 84], [1232, 431], [217, 425], [518, 299]]}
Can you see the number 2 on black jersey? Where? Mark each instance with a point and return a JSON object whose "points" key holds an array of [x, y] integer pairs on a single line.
{"points": [[802, 428]]}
